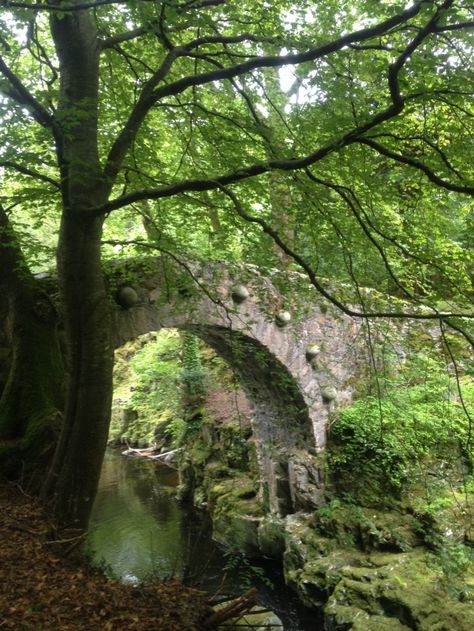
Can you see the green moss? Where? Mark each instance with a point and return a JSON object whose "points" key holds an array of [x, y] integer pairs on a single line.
{"points": [[343, 617], [216, 470], [404, 590], [34, 393], [271, 537], [236, 513], [231, 492], [367, 528]]}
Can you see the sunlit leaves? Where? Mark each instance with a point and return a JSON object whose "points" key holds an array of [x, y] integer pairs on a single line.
{"points": [[367, 220]]}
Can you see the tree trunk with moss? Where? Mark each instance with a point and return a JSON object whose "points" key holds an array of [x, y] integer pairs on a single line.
{"points": [[33, 394], [74, 476], [72, 482]]}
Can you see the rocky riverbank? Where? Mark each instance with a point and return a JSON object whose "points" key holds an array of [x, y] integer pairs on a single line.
{"points": [[397, 566], [382, 577]]}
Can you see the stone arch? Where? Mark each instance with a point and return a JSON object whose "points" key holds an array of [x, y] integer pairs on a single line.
{"points": [[293, 372]]}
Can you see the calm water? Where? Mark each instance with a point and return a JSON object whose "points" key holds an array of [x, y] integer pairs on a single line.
{"points": [[140, 532]]}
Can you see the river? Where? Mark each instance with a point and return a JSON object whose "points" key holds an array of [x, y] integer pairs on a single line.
{"points": [[140, 532]]}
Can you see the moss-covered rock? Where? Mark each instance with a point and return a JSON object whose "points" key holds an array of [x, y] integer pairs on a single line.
{"points": [[236, 513], [372, 590], [368, 528], [271, 537], [342, 618], [257, 619], [199, 452]]}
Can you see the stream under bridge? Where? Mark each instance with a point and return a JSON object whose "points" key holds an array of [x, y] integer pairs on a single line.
{"points": [[296, 357]]}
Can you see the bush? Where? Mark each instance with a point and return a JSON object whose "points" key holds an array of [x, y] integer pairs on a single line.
{"points": [[417, 427]]}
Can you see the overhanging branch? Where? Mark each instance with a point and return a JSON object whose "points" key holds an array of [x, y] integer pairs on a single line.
{"points": [[455, 27], [113, 40], [417, 164], [149, 97], [21, 95], [434, 314], [61, 8], [346, 197], [318, 52]]}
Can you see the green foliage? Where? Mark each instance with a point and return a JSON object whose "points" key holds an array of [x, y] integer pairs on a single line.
{"points": [[234, 446], [403, 232], [181, 431], [192, 375], [455, 560], [248, 573], [155, 397], [159, 387], [155, 368], [417, 430]]}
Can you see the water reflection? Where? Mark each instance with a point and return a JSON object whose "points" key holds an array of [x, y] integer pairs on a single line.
{"points": [[136, 529], [139, 532]]}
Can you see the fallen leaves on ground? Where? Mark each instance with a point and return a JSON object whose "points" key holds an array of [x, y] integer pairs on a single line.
{"points": [[41, 591]]}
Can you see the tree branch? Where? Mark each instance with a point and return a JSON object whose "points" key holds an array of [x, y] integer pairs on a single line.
{"points": [[112, 41], [277, 61], [145, 101], [94, 4], [341, 191], [454, 27], [348, 310], [9, 164], [21, 95], [200, 4], [409, 254], [237, 39], [39, 6], [417, 164], [250, 171], [151, 96], [422, 139], [395, 68]]}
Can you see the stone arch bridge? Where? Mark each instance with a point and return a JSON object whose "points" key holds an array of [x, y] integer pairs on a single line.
{"points": [[295, 356]]}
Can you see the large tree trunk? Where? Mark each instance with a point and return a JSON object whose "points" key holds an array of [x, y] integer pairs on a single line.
{"points": [[72, 482], [33, 393]]}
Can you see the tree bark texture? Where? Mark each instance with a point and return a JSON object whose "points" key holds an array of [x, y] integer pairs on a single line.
{"points": [[32, 394], [74, 476], [72, 483]]}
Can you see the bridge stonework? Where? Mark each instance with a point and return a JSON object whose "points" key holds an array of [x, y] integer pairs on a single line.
{"points": [[296, 358]]}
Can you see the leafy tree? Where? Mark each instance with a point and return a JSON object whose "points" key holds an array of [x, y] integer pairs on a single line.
{"points": [[153, 371], [156, 108]]}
